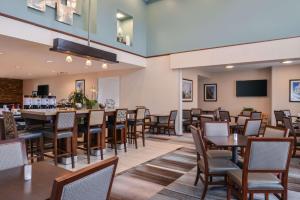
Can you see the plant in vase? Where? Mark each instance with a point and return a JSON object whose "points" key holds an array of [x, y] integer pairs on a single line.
{"points": [[77, 99]]}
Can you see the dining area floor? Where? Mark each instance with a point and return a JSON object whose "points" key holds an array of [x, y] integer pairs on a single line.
{"points": [[172, 175]]}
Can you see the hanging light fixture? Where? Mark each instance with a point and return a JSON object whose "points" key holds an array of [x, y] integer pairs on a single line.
{"points": [[69, 59], [104, 66], [88, 63]]}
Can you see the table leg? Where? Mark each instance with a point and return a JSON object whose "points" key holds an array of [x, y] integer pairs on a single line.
{"points": [[235, 155]]}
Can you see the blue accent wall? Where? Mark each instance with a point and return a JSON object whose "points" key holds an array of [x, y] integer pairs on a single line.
{"points": [[168, 26], [104, 23], [182, 25]]}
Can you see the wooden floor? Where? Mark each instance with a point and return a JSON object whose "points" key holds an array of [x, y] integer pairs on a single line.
{"points": [[171, 176]]}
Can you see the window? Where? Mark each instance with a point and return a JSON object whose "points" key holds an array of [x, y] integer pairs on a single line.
{"points": [[124, 28]]}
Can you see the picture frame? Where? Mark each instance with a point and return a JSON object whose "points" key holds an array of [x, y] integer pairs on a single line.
{"points": [[187, 90], [37, 5], [210, 92], [294, 90], [80, 86]]}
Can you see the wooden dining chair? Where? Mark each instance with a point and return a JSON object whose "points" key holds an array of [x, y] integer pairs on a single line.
{"points": [[240, 123], [12, 153], [256, 115], [169, 125], [91, 183], [94, 133], [211, 167], [287, 121], [64, 130], [224, 116], [279, 117], [216, 129], [188, 120], [33, 139], [265, 158], [120, 129], [275, 132], [252, 127], [203, 120], [133, 124]]}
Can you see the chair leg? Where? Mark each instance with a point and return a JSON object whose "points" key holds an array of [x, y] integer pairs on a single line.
{"points": [[115, 141], [143, 135], [55, 151], [135, 137], [197, 176], [88, 148], [41, 140], [267, 196], [100, 145], [205, 188], [229, 189], [72, 152], [251, 196], [124, 138], [31, 150]]}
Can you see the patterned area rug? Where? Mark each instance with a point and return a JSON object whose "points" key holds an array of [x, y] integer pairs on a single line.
{"points": [[171, 176]]}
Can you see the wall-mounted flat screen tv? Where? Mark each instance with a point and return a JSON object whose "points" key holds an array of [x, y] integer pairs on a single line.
{"points": [[252, 88], [43, 90]]}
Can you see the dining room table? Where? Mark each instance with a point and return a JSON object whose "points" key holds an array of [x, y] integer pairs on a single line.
{"points": [[14, 187], [234, 141]]}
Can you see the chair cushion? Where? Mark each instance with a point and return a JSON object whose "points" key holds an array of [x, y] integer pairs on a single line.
{"points": [[120, 126], [30, 135], [218, 166], [163, 124], [60, 135], [132, 122], [95, 130], [219, 154], [258, 181]]}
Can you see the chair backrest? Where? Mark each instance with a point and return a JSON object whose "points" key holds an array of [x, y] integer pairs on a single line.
{"points": [[12, 154], [241, 120], [256, 115], [203, 120], [278, 116], [196, 111], [216, 129], [224, 116], [96, 117], [287, 121], [246, 113], [252, 127], [65, 120], [275, 132], [186, 114], [173, 115], [200, 146], [10, 128], [268, 155], [92, 183], [140, 113], [121, 116], [147, 113], [287, 113]]}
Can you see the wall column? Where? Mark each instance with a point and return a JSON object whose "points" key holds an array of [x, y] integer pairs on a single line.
{"points": [[179, 120]]}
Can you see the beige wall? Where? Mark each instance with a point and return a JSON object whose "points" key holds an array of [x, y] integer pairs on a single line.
{"points": [[280, 87], [156, 86], [226, 83]]}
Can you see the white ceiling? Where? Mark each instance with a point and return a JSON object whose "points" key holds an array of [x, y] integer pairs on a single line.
{"points": [[247, 66], [27, 60]]}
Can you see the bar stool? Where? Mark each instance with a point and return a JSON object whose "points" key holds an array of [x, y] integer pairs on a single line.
{"points": [[30, 137], [139, 120], [94, 132], [64, 129], [119, 126]]}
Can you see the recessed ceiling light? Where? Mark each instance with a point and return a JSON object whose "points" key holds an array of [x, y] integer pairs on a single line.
{"points": [[53, 71], [287, 62], [49, 61], [1, 53], [88, 63], [120, 15], [229, 67], [69, 59], [18, 67], [104, 66]]}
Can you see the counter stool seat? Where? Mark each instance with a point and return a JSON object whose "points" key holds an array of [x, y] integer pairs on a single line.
{"points": [[30, 135], [60, 135]]}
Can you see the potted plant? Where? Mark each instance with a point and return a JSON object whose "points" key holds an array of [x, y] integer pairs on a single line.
{"points": [[77, 99]]}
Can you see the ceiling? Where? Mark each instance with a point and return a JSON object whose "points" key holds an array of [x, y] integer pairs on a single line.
{"points": [[22, 59], [247, 66]]}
